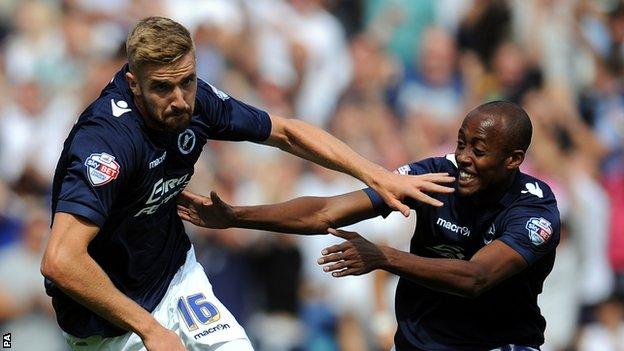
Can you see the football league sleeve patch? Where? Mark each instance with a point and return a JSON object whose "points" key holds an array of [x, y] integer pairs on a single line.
{"points": [[532, 232], [101, 168], [94, 176]]}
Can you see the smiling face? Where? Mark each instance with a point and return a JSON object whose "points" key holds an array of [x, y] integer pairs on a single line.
{"points": [[486, 159], [165, 93]]}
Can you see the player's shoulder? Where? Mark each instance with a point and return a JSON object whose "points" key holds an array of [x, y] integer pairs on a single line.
{"points": [[530, 198], [111, 112], [99, 132], [114, 107], [532, 206], [445, 163], [529, 189], [205, 89]]}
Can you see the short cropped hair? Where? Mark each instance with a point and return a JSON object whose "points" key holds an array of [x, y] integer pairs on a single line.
{"points": [[157, 40], [516, 125]]}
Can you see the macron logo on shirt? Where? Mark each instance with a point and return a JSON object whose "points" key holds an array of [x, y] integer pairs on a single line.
{"points": [[464, 231], [119, 108], [534, 189]]}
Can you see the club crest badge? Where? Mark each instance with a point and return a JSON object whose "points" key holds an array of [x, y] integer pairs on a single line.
{"points": [[186, 141], [101, 168], [539, 229], [489, 236]]}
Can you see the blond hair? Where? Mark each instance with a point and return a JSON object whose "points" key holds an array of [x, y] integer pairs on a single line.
{"points": [[157, 40]]}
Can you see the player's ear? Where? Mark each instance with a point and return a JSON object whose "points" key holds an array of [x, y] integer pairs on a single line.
{"points": [[133, 82], [515, 159]]}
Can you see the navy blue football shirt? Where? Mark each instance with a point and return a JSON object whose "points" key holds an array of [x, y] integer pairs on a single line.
{"points": [[526, 218], [123, 176]]}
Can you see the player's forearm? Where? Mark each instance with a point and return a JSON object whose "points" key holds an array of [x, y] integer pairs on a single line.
{"points": [[303, 215], [453, 276], [318, 146], [80, 277]]}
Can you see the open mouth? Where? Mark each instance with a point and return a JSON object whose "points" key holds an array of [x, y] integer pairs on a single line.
{"points": [[466, 178]]}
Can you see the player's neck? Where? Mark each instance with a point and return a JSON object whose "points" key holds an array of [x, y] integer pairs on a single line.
{"points": [[494, 196]]}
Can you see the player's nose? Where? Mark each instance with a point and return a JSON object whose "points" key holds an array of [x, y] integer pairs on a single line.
{"points": [[462, 159], [178, 102]]}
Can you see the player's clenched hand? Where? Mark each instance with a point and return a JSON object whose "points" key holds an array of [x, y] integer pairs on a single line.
{"points": [[355, 256], [395, 188], [163, 339], [203, 211]]}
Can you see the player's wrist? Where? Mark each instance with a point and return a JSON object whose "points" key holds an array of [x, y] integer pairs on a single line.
{"points": [[236, 217], [372, 175], [147, 329], [388, 259]]}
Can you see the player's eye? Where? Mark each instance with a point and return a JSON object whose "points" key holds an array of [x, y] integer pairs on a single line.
{"points": [[187, 82], [478, 152], [460, 144], [161, 87]]}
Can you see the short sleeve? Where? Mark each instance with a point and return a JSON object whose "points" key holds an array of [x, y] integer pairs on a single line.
{"points": [[532, 231], [416, 168], [97, 162], [230, 119]]}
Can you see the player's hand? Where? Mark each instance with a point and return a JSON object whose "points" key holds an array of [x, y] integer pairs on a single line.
{"points": [[163, 339], [355, 256], [395, 188], [203, 211]]}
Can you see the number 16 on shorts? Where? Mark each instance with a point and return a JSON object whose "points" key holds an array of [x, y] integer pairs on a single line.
{"points": [[195, 308]]}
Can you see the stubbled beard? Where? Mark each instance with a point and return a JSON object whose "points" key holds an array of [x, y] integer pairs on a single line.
{"points": [[181, 123], [162, 124]]}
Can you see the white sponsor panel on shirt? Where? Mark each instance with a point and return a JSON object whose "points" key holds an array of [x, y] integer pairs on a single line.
{"points": [[163, 190]]}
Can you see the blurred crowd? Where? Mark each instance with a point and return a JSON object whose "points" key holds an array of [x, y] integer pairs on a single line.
{"points": [[391, 78]]}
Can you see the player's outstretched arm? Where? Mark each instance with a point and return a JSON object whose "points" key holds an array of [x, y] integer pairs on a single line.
{"points": [[488, 267], [67, 263], [316, 145], [303, 215]]}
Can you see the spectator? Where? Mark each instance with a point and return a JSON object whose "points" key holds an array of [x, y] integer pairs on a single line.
{"points": [[607, 333], [346, 71], [25, 309], [432, 96]]}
